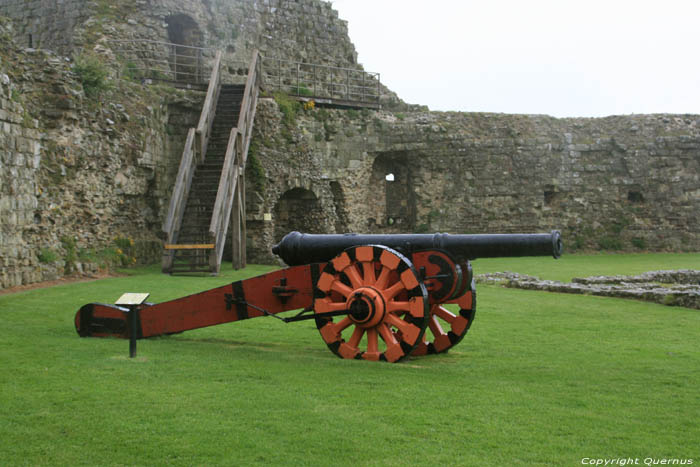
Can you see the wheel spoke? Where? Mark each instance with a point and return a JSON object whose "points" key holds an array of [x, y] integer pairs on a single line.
{"points": [[398, 307], [393, 291], [435, 327], [354, 276], [368, 273], [341, 288], [372, 342], [356, 337], [383, 278], [387, 335], [336, 306], [401, 325], [444, 314], [329, 306], [409, 332], [341, 325]]}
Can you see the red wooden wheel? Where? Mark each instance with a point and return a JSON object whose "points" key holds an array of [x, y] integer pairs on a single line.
{"points": [[446, 328], [386, 302]]}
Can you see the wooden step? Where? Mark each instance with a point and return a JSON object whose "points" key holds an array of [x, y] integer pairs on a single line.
{"points": [[200, 246]]}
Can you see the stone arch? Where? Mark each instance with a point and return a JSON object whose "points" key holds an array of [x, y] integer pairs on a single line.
{"points": [[185, 59], [391, 197], [297, 209]]}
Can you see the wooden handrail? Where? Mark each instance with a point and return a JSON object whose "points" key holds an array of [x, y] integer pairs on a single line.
{"points": [[178, 200], [206, 119], [234, 165], [192, 154]]}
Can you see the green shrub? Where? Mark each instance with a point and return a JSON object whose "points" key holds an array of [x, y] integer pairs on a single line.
{"points": [[288, 106], [132, 72], [71, 253], [610, 243], [304, 91], [47, 255], [639, 242], [255, 168], [92, 74], [576, 244], [123, 255]]}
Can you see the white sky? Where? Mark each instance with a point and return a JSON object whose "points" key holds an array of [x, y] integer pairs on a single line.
{"points": [[566, 58]]}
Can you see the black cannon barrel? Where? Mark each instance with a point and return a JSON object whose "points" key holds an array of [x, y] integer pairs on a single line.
{"points": [[299, 248]]}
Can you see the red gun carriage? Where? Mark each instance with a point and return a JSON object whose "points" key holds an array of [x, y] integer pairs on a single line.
{"points": [[373, 297]]}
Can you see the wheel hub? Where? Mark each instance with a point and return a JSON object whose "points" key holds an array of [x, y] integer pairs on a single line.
{"points": [[366, 307]]}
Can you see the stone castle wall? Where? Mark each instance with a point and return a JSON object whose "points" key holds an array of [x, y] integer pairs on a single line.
{"points": [[297, 30], [618, 183], [78, 172], [47, 24]]}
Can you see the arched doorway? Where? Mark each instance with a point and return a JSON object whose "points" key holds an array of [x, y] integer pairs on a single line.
{"points": [[297, 209], [186, 57]]}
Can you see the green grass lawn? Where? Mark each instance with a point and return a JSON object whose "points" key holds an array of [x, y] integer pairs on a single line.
{"points": [[570, 266], [541, 379]]}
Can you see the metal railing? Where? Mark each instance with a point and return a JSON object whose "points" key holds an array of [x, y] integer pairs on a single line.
{"points": [[321, 81], [164, 61], [144, 60]]}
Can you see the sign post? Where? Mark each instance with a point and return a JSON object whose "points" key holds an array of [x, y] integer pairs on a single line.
{"points": [[133, 302]]}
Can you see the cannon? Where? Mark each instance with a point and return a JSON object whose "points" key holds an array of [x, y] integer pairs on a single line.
{"points": [[372, 297]]}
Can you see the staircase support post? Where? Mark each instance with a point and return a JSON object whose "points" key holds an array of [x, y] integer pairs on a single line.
{"points": [[244, 232], [236, 229]]}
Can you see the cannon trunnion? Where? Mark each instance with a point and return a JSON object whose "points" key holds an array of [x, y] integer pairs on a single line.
{"points": [[372, 297]]}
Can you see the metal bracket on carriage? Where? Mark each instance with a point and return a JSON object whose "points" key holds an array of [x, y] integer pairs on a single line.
{"points": [[283, 292]]}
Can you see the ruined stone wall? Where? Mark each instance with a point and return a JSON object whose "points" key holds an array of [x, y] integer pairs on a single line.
{"points": [[78, 171], [297, 30], [47, 24], [617, 183], [84, 181]]}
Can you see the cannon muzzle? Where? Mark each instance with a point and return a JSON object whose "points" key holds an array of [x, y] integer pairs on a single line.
{"points": [[299, 248]]}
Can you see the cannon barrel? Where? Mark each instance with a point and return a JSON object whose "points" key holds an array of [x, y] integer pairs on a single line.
{"points": [[299, 248]]}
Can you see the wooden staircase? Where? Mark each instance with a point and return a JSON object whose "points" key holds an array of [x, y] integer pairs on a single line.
{"points": [[210, 184]]}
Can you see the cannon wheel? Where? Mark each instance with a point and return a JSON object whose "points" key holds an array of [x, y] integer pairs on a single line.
{"points": [[386, 302], [447, 329]]}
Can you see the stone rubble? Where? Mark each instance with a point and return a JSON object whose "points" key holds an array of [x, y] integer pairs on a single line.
{"points": [[671, 288]]}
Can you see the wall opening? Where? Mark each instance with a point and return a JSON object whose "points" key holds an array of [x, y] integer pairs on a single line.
{"points": [[549, 197], [341, 216], [185, 59], [391, 200], [297, 209], [552, 196], [635, 197]]}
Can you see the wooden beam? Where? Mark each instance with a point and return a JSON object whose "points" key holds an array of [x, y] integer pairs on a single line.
{"points": [[201, 246]]}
